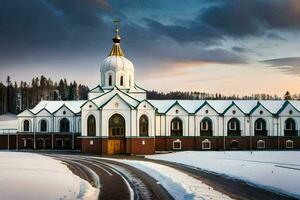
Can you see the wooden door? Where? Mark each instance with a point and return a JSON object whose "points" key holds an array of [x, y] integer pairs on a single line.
{"points": [[117, 146], [111, 147]]}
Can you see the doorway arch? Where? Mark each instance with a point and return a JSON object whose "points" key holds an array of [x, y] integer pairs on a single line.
{"points": [[116, 135]]}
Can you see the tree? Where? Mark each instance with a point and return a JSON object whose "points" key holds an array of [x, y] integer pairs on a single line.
{"points": [[287, 96]]}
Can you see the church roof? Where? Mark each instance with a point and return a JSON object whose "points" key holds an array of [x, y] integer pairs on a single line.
{"points": [[53, 106], [221, 106]]}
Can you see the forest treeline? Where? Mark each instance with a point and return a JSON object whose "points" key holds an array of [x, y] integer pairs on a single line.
{"points": [[16, 97]]}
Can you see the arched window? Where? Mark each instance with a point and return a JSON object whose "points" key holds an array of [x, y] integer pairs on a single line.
{"points": [[260, 127], [289, 144], [290, 127], [43, 126], [64, 125], [91, 126], [116, 126], [121, 80], [26, 125], [110, 80], [233, 127], [144, 126], [206, 144], [176, 127], [206, 127]]}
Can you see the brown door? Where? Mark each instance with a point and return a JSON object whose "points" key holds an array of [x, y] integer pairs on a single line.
{"points": [[111, 147], [117, 146]]}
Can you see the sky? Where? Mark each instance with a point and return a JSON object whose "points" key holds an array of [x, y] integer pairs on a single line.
{"points": [[216, 46]]}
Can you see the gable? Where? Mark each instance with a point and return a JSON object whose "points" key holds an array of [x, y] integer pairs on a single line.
{"points": [[145, 105], [176, 109], [25, 113], [89, 105], [260, 111], [43, 112], [64, 111], [116, 103], [289, 110], [233, 110], [206, 110]]}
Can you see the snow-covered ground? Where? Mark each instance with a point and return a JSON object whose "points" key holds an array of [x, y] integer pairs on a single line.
{"points": [[8, 121], [178, 184], [36, 177], [275, 170]]}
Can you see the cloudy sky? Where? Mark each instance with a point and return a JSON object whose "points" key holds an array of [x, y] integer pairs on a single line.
{"points": [[229, 46]]}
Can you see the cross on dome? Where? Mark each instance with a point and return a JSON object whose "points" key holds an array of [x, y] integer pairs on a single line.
{"points": [[116, 49]]}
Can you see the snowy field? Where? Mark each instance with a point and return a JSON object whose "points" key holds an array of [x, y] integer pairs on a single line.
{"points": [[275, 170], [8, 121], [178, 184], [36, 177]]}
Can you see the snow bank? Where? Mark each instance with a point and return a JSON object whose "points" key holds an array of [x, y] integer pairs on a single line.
{"points": [[32, 176], [274, 170], [178, 184]]}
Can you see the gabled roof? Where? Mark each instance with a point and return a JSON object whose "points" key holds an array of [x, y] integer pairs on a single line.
{"points": [[204, 103], [295, 104], [231, 105], [272, 105], [116, 95], [53, 106], [147, 102], [97, 89], [257, 106], [174, 104], [102, 99]]}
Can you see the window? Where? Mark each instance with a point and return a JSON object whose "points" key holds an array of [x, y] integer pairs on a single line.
{"points": [[110, 80], [289, 144], [176, 127], [91, 126], [26, 126], [116, 126], [260, 127], [144, 124], [121, 80], [206, 144], [290, 125], [43, 125], [177, 144], [64, 125], [233, 124], [261, 144], [206, 127]]}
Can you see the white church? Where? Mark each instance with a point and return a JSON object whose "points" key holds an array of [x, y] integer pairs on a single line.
{"points": [[117, 118]]}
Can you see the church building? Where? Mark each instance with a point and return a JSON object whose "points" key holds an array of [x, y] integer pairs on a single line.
{"points": [[118, 118]]}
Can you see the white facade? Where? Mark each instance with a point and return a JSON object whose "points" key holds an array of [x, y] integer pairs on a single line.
{"points": [[117, 93]]}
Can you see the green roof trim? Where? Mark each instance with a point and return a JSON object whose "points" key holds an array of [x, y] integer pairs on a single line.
{"points": [[233, 104], [174, 104], [202, 105], [104, 104]]}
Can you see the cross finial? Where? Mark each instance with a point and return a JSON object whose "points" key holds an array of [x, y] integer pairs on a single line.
{"points": [[117, 23]]}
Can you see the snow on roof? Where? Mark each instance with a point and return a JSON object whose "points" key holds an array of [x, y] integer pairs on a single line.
{"points": [[103, 99], [246, 105], [191, 106], [162, 105], [272, 105], [219, 105], [53, 106], [296, 104]]}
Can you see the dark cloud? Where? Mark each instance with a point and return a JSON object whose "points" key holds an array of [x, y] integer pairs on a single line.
{"points": [[290, 65], [36, 31]]}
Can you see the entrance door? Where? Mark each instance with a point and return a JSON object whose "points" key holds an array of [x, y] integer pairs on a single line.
{"points": [[116, 141], [115, 147]]}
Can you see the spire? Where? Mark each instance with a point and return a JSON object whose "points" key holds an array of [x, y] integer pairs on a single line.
{"points": [[116, 49]]}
